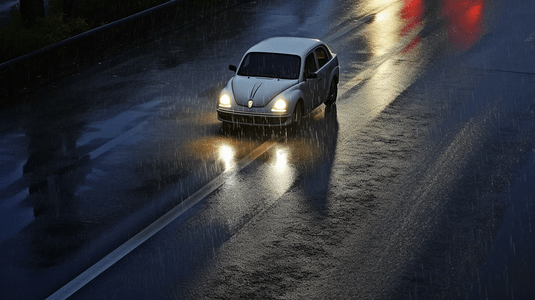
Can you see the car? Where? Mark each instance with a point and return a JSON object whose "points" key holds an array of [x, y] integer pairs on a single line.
{"points": [[278, 81]]}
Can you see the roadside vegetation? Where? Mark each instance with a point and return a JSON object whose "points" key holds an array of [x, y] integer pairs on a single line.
{"points": [[19, 37], [31, 29]]}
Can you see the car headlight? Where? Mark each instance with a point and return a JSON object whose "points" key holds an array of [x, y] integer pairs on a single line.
{"points": [[224, 101], [279, 106]]}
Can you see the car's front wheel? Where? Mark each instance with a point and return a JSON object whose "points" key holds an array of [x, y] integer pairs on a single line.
{"points": [[297, 116], [333, 93]]}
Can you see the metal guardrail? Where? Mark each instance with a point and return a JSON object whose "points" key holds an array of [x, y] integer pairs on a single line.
{"points": [[40, 67], [86, 34]]}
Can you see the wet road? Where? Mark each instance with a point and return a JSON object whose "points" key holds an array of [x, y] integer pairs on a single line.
{"points": [[399, 191]]}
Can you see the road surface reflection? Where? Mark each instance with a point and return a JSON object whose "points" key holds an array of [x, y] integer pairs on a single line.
{"points": [[305, 152], [279, 174], [226, 154], [465, 22]]}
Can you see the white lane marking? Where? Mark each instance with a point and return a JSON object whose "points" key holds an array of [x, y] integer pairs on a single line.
{"points": [[110, 259], [117, 140]]}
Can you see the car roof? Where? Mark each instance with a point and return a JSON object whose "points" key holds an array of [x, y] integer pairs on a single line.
{"points": [[288, 45]]}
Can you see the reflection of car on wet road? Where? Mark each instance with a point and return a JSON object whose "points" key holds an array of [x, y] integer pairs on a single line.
{"points": [[278, 81]]}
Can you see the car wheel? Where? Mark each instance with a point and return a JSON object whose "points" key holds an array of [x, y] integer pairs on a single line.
{"points": [[297, 116], [333, 93]]}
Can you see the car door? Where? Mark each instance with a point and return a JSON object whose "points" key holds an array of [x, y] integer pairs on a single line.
{"points": [[323, 74], [310, 83]]}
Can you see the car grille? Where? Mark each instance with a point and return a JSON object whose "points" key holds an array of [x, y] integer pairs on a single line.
{"points": [[253, 120]]}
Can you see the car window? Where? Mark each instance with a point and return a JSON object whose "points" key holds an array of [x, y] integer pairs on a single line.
{"points": [[310, 64], [273, 65], [322, 56]]}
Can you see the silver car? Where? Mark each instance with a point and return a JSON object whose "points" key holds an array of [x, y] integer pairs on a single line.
{"points": [[278, 81]]}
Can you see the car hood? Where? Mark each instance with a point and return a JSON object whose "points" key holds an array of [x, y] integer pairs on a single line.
{"points": [[260, 90]]}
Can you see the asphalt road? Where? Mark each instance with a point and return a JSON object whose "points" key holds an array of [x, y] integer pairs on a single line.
{"points": [[120, 182]]}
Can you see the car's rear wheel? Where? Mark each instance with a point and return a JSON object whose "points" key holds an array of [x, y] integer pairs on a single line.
{"points": [[333, 93]]}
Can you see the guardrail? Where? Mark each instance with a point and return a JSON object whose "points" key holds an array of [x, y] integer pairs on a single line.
{"points": [[33, 70]]}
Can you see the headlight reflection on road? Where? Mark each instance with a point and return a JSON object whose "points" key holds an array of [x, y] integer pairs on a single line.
{"points": [[227, 155], [281, 161], [280, 174]]}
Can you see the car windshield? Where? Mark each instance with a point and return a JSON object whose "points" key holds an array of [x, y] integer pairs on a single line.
{"points": [[273, 65]]}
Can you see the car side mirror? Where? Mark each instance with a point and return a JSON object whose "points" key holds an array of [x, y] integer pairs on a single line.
{"points": [[312, 76], [232, 68]]}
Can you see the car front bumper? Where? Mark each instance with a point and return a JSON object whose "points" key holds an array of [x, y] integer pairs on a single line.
{"points": [[258, 119]]}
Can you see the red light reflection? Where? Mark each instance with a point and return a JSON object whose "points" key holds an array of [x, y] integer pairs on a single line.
{"points": [[464, 19], [413, 15]]}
